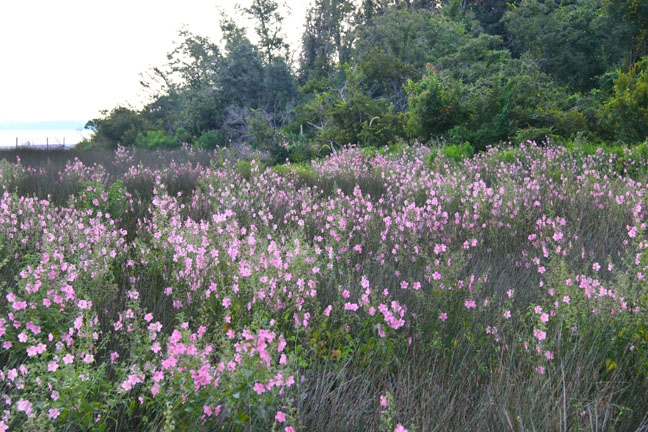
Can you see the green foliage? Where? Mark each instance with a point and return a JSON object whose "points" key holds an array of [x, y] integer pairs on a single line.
{"points": [[325, 42], [268, 27], [435, 106], [633, 15], [119, 126], [374, 73], [210, 140], [156, 139], [458, 153], [337, 117], [573, 42], [627, 110]]}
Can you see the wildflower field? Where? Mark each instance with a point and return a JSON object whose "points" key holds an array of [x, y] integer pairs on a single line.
{"points": [[366, 291]]}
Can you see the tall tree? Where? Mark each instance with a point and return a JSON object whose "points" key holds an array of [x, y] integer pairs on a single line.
{"points": [[633, 13], [268, 21], [325, 40], [573, 42]]}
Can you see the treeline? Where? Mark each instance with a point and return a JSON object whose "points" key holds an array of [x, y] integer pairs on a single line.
{"points": [[383, 72]]}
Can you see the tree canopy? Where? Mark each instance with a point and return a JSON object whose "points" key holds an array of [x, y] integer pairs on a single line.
{"points": [[380, 72]]}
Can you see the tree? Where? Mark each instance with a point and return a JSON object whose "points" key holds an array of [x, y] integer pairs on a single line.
{"points": [[634, 14], [398, 46], [574, 42], [268, 27], [185, 90], [241, 77], [119, 126], [435, 105], [325, 41], [627, 110], [345, 114]]}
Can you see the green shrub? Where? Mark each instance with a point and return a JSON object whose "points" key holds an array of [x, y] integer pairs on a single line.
{"points": [[157, 139], [459, 152], [210, 140]]}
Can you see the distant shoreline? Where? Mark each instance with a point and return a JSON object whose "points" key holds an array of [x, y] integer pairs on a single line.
{"points": [[33, 137], [44, 125]]}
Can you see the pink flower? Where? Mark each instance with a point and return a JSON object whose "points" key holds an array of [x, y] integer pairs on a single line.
{"points": [[540, 334], [383, 401], [132, 380], [69, 358], [443, 316], [19, 305], [470, 304], [158, 376], [78, 322], [400, 428], [280, 417], [327, 311], [259, 388], [155, 327], [549, 355], [24, 406], [507, 314], [54, 413], [52, 367], [544, 317]]}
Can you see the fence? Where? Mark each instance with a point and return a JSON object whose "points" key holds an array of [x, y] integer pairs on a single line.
{"points": [[46, 146]]}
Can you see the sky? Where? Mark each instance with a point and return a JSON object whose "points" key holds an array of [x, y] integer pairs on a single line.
{"points": [[71, 59]]}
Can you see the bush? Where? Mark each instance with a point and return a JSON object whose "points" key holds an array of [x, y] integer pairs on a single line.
{"points": [[210, 140], [157, 139], [627, 111], [458, 153]]}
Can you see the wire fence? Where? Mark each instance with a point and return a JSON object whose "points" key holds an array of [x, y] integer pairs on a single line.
{"points": [[47, 145]]}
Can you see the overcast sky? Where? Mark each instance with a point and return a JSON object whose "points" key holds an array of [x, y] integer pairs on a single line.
{"points": [[70, 59]]}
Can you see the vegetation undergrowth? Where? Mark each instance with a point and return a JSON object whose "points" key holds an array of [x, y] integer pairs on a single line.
{"points": [[416, 290]]}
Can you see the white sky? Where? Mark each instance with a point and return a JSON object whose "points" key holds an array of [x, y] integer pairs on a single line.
{"points": [[70, 59]]}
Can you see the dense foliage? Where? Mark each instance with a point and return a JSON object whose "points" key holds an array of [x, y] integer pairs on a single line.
{"points": [[381, 72], [417, 290]]}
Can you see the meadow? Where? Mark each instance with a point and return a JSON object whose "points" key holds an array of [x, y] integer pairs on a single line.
{"points": [[369, 291]]}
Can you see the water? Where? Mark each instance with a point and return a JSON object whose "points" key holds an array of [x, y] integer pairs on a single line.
{"points": [[39, 138]]}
